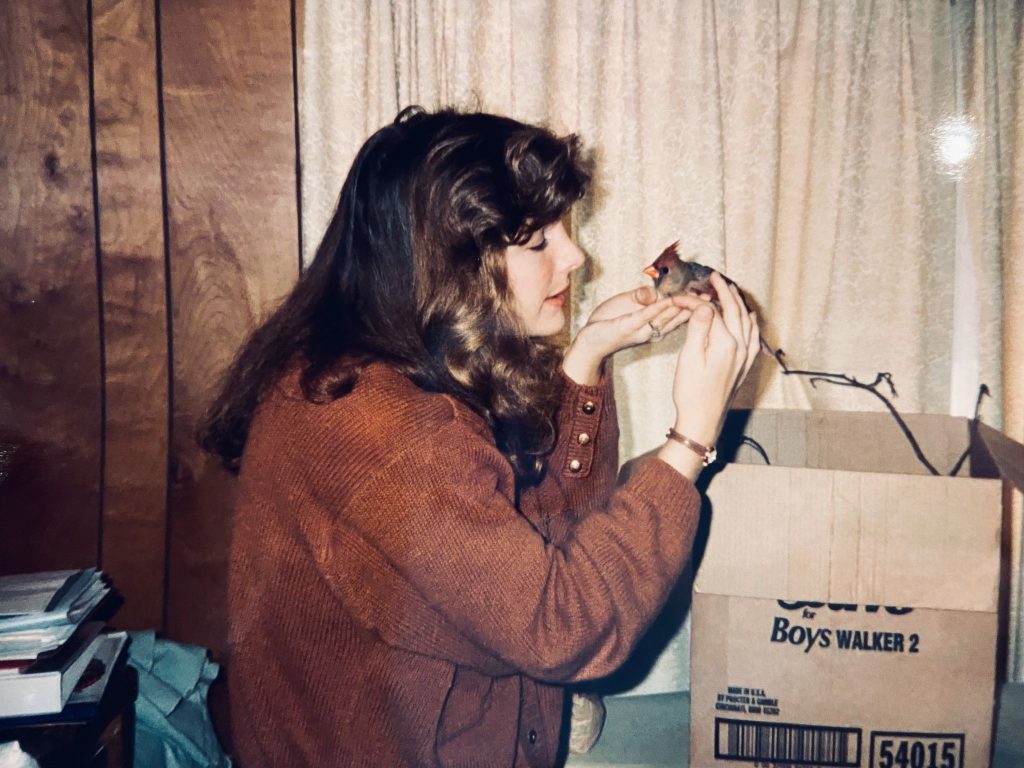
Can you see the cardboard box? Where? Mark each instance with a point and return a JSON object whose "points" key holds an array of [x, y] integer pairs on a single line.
{"points": [[845, 610]]}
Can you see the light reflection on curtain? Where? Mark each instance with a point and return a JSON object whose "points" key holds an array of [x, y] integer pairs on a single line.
{"points": [[794, 145]]}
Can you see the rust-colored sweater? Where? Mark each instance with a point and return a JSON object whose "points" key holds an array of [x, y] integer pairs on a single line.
{"points": [[390, 603]]}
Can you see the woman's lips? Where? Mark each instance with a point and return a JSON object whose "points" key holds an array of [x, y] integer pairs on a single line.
{"points": [[558, 299]]}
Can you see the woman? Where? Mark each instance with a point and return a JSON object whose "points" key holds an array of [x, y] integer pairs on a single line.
{"points": [[427, 543]]}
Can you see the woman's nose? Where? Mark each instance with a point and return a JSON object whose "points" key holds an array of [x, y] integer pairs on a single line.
{"points": [[574, 256]]}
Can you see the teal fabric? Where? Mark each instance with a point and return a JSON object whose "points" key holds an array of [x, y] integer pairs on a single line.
{"points": [[173, 728]]}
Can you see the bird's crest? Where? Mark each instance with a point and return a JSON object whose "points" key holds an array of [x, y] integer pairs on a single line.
{"points": [[669, 256]]}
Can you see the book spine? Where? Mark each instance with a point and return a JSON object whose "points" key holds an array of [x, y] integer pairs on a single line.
{"points": [[38, 694]]}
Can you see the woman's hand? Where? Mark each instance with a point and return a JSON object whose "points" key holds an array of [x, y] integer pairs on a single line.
{"points": [[721, 346], [624, 320]]}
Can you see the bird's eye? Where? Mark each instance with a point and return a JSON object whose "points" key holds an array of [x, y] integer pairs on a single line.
{"points": [[663, 271]]}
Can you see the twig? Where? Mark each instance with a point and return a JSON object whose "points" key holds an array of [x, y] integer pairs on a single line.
{"points": [[842, 380], [757, 447], [982, 392]]}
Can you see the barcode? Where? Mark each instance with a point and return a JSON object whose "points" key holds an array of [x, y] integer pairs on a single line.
{"points": [[789, 743]]}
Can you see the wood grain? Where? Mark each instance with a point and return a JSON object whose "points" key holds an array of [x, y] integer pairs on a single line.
{"points": [[134, 306], [300, 31], [50, 379], [233, 241]]}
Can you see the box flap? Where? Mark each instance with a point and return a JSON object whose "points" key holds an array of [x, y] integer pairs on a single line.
{"points": [[853, 537], [1007, 454], [852, 440]]}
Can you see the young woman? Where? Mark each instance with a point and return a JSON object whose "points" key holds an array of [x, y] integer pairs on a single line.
{"points": [[428, 544]]}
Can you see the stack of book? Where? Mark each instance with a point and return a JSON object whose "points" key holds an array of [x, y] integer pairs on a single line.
{"points": [[53, 653]]}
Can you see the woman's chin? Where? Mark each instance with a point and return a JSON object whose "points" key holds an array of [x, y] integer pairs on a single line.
{"points": [[550, 320], [550, 328]]}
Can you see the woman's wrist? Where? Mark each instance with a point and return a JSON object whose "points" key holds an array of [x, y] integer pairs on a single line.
{"points": [[692, 429], [582, 363], [681, 459]]}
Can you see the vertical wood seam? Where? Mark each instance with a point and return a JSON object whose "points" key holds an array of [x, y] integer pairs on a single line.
{"points": [[298, 135], [98, 256], [168, 299]]}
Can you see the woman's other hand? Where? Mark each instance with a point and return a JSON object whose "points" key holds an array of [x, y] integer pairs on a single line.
{"points": [[625, 320], [721, 345]]}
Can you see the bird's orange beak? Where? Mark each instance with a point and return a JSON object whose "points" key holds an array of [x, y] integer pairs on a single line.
{"points": [[651, 272]]}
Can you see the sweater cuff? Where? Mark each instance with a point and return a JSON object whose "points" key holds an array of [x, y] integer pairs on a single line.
{"points": [[657, 479], [582, 409], [603, 388]]}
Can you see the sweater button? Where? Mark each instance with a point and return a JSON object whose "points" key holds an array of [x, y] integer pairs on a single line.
{"points": [[575, 465], [532, 736], [589, 407], [583, 438]]}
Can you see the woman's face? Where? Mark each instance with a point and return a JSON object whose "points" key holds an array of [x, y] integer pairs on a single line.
{"points": [[538, 274]]}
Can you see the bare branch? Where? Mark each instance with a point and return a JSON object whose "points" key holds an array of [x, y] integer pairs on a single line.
{"points": [[757, 447], [843, 380], [982, 392]]}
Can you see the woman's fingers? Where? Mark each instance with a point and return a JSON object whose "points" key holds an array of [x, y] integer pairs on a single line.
{"points": [[645, 295], [623, 303], [753, 345], [689, 301], [731, 306], [651, 311], [699, 331], [667, 321], [645, 324], [729, 327], [745, 324], [742, 316], [674, 321], [722, 341]]}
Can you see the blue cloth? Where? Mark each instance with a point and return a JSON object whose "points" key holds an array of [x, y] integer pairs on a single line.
{"points": [[172, 720]]}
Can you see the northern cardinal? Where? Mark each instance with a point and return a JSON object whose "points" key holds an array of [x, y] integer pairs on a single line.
{"points": [[672, 275]]}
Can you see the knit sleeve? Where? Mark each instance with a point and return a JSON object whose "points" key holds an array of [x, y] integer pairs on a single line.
{"points": [[433, 556], [584, 462]]}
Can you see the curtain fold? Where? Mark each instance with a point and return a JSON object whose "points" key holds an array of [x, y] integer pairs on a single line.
{"points": [[853, 166]]}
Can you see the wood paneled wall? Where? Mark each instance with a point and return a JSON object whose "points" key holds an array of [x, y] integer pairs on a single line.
{"points": [[51, 372], [132, 267], [233, 228], [148, 221]]}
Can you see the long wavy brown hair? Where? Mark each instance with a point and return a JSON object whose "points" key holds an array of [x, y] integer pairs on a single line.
{"points": [[411, 271]]}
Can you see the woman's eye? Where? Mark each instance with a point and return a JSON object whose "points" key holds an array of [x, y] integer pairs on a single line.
{"points": [[541, 245]]}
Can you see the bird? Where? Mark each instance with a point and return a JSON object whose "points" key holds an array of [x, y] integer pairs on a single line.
{"points": [[672, 275]]}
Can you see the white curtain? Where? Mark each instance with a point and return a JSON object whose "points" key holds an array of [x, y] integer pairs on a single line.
{"points": [[852, 165]]}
